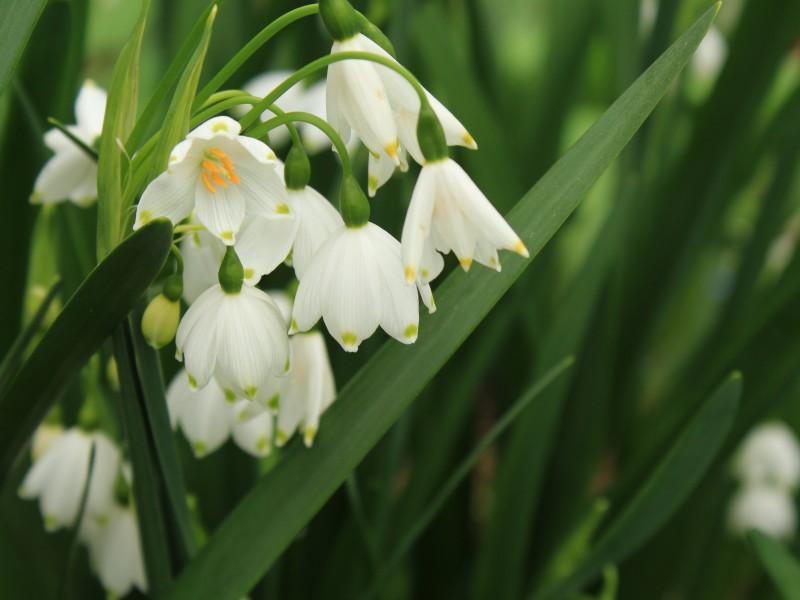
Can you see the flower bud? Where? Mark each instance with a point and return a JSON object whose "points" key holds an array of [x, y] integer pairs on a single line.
{"points": [[231, 272], [373, 32], [340, 19], [430, 135], [160, 321], [296, 169], [353, 204]]}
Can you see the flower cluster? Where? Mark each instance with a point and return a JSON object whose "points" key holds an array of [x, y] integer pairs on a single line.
{"points": [[768, 469]]}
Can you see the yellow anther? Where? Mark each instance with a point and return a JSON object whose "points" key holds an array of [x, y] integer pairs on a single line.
{"points": [[207, 182], [211, 166], [217, 178]]}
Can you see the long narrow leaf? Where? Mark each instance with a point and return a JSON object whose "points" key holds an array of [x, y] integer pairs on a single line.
{"points": [[283, 502], [18, 20], [782, 567]]}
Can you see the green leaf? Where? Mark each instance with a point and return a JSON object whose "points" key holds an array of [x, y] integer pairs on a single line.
{"points": [[16, 26], [284, 500], [123, 92], [107, 295], [664, 492], [781, 566]]}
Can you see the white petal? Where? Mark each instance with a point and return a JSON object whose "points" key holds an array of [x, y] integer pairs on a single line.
{"points": [[254, 435], [204, 419], [196, 338], [221, 212], [90, 108], [64, 173], [417, 225], [217, 127], [104, 477], [333, 104], [264, 244], [264, 191], [170, 195], [202, 256], [317, 219]]}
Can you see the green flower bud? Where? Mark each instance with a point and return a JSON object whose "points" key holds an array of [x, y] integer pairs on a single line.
{"points": [[231, 272], [353, 204], [297, 168], [160, 321], [430, 135], [369, 29], [173, 288], [340, 19]]}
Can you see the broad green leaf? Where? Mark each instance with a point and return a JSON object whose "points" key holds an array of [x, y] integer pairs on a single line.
{"points": [[284, 500], [18, 20], [88, 318], [123, 92], [664, 492], [781, 566]]}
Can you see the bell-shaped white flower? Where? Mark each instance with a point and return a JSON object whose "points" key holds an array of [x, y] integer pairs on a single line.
{"points": [[449, 212], [263, 244], [251, 428], [355, 283], [221, 175], [115, 552], [239, 338], [770, 454], [59, 477], [71, 174], [317, 219], [203, 415], [768, 509]]}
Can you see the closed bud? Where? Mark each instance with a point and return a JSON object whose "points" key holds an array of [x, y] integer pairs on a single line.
{"points": [[231, 272], [296, 169], [160, 321], [353, 204], [340, 19], [430, 135]]}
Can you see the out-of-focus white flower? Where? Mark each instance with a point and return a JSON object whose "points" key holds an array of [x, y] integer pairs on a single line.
{"points": [[769, 455], [355, 283], [115, 551], [710, 55], [251, 428], [766, 508], [59, 477], [309, 99], [71, 174], [239, 338], [221, 175], [449, 212], [203, 415]]}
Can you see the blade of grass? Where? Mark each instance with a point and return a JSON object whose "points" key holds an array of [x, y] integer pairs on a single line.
{"points": [[664, 492], [88, 318], [284, 500], [16, 26], [781, 566]]}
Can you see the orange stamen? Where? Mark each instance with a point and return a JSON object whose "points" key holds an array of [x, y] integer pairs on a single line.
{"points": [[207, 183], [211, 166], [217, 178]]}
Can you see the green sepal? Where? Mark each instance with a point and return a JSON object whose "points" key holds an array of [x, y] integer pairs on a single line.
{"points": [[231, 272], [297, 168], [339, 18], [373, 32], [353, 204], [430, 135]]}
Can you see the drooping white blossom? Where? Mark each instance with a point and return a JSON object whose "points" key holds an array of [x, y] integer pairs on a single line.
{"points": [[316, 219], [769, 455], [355, 283], [71, 174], [115, 551], [58, 478], [238, 338], [222, 176], [449, 212], [766, 508]]}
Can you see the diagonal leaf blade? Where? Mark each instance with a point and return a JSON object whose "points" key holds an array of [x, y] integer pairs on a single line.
{"points": [[107, 295], [782, 567], [16, 26], [281, 504]]}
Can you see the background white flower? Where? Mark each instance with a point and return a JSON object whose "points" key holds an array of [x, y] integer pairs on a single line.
{"points": [[770, 454], [768, 509]]}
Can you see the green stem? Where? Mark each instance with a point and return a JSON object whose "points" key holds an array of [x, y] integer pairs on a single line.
{"points": [[88, 150], [305, 117], [252, 116], [250, 48], [176, 252], [188, 227]]}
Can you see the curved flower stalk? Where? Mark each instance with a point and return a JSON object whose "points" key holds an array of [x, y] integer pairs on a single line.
{"points": [[58, 478], [115, 551], [221, 175], [355, 283], [71, 174], [769, 455]]}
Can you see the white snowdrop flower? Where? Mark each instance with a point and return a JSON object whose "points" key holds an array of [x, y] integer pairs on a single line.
{"points": [[59, 477], [770, 454], [264, 243], [202, 255], [355, 283], [71, 174], [238, 337], [221, 175], [203, 415], [449, 212], [768, 509], [115, 552], [711, 54], [251, 428], [317, 219]]}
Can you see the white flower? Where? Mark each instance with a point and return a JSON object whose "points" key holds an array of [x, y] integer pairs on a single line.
{"points": [[768, 509], [221, 175], [317, 219], [71, 174], [449, 212], [59, 477], [202, 256], [115, 552], [355, 283], [203, 415], [710, 54], [309, 99], [769, 455], [251, 428], [239, 338]]}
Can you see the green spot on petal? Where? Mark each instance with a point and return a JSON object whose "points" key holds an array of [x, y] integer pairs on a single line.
{"points": [[219, 126], [309, 434], [50, 522], [145, 216], [349, 338], [192, 381], [411, 331], [250, 392], [249, 273], [372, 182], [36, 198], [199, 448], [230, 395], [281, 438], [226, 235], [287, 366], [274, 403], [294, 324], [262, 444], [282, 209], [425, 273]]}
